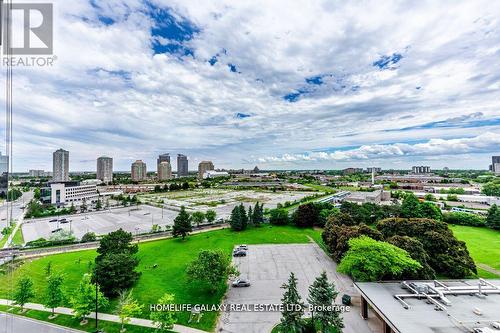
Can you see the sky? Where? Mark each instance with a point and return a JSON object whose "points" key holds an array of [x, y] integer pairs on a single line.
{"points": [[279, 84]]}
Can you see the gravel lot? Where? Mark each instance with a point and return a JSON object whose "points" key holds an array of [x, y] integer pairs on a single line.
{"points": [[268, 267]]}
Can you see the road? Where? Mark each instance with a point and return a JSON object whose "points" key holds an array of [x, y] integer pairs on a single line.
{"points": [[17, 214], [14, 324]]}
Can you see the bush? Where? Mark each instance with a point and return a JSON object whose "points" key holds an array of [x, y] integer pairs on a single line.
{"points": [[278, 216], [461, 218]]}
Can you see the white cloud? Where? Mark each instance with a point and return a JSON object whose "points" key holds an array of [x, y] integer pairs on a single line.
{"points": [[109, 94]]}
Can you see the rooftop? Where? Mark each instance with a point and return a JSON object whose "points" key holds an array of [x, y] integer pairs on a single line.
{"points": [[435, 306]]}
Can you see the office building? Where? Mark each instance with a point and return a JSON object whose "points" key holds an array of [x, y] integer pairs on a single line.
{"points": [[421, 169], [4, 164], [60, 165], [138, 170], [163, 158], [182, 165], [65, 193], [203, 167], [495, 164], [164, 170], [374, 169], [105, 169]]}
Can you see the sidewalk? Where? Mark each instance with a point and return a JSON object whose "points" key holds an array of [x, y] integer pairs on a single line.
{"points": [[103, 316]]}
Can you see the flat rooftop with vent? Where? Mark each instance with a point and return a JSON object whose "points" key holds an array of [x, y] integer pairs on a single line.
{"points": [[450, 306]]}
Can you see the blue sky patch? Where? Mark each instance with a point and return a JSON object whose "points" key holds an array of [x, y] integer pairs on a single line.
{"points": [[233, 68], [317, 80], [171, 32], [242, 115], [387, 62]]}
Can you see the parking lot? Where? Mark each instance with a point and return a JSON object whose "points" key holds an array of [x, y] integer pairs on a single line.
{"points": [[132, 219], [268, 267]]}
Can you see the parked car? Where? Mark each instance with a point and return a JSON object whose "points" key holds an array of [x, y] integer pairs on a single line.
{"points": [[239, 253], [241, 282], [56, 230], [242, 247], [64, 221], [53, 220]]}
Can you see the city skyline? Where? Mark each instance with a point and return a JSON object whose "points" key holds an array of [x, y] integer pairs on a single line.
{"points": [[287, 86]]}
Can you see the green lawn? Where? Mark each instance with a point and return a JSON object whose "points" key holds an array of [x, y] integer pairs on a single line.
{"points": [[18, 238], [321, 188], [69, 321], [483, 245], [172, 257]]}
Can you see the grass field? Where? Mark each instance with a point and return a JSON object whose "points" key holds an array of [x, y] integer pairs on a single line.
{"points": [[172, 257], [483, 245], [69, 321]]}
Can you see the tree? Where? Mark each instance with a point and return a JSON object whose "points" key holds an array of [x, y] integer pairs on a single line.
{"points": [[493, 218], [447, 255], [336, 237], [211, 268], [24, 292], [37, 193], [210, 215], [182, 224], [322, 296], [116, 263], [54, 295], [83, 300], [164, 320], [492, 188], [278, 216], [430, 211], [258, 214], [83, 206], [198, 217], [292, 307], [410, 206], [416, 250], [306, 215], [250, 215], [127, 308], [72, 209], [89, 237], [98, 204], [371, 260], [238, 219]]}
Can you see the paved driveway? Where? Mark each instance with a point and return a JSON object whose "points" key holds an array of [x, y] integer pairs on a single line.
{"points": [[16, 324], [268, 267]]}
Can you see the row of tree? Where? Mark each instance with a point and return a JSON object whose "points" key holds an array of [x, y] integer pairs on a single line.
{"points": [[83, 300], [241, 218], [325, 315]]}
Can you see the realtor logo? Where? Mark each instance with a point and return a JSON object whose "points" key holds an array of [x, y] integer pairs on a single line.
{"points": [[27, 29]]}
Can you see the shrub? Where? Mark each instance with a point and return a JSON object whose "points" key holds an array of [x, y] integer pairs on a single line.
{"points": [[462, 218]]}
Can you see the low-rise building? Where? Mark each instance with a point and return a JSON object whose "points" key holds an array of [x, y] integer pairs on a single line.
{"points": [[214, 174], [64, 193], [452, 306]]}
